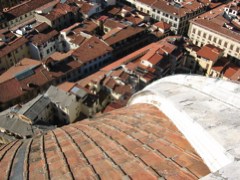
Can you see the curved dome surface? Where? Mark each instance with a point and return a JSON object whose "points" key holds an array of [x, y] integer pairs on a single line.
{"points": [[179, 127], [137, 142], [205, 110]]}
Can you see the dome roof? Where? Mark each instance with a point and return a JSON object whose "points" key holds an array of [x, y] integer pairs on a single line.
{"points": [[137, 142]]}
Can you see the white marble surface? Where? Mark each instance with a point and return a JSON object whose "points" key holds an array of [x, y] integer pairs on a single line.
{"points": [[206, 111]]}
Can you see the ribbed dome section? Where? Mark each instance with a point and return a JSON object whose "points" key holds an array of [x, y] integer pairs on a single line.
{"points": [[136, 142]]}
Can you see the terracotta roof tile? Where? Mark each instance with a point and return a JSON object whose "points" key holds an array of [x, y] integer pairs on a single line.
{"points": [[120, 144], [42, 27], [12, 46], [232, 72], [24, 8], [162, 25], [118, 34], [43, 37], [91, 49], [60, 10], [24, 64], [134, 19], [13, 88], [210, 52], [66, 86], [110, 23], [220, 64]]}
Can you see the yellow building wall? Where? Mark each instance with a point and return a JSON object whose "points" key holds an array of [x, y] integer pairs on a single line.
{"points": [[205, 64], [21, 19], [16, 56]]}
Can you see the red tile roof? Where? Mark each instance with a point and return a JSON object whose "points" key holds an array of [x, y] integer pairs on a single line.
{"points": [[232, 72], [43, 37], [97, 77], [60, 10], [91, 49], [85, 6], [12, 46], [210, 52], [220, 64], [136, 142], [12, 88], [129, 57], [41, 27], [134, 19], [119, 34], [66, 86], [110, 23], [162, 25], [24, 8], [114, 105], [24, 64], [86, 26]]}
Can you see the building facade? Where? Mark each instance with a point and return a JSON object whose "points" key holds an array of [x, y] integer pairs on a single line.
{"points": [[175, 13], [216, 28]]}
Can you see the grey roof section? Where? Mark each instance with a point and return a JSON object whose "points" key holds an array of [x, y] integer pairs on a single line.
{"points": [[34, 107], [7, 137], [14, 125], [81, 93], [207, 112], [60, 97]]}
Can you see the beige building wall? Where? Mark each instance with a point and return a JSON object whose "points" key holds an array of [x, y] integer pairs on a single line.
{"points": [[202, 36], [179, 24], [20, 19], [214, 73], [14, 57], [205, 64], [42, 18], [143, 8]]}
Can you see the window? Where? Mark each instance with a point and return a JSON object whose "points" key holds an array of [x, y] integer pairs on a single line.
{"points": [[231, 47], [220, 42], [238, 49], [199, 32], [225, 44], [215, 39], [194, 30], [209, 37], [47, 51], [204, 35]]}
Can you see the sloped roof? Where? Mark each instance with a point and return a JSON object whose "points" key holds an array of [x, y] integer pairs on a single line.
{"points": [[133, 142], [206, 111], [23, 8], [91, 49], [210, 52]]}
